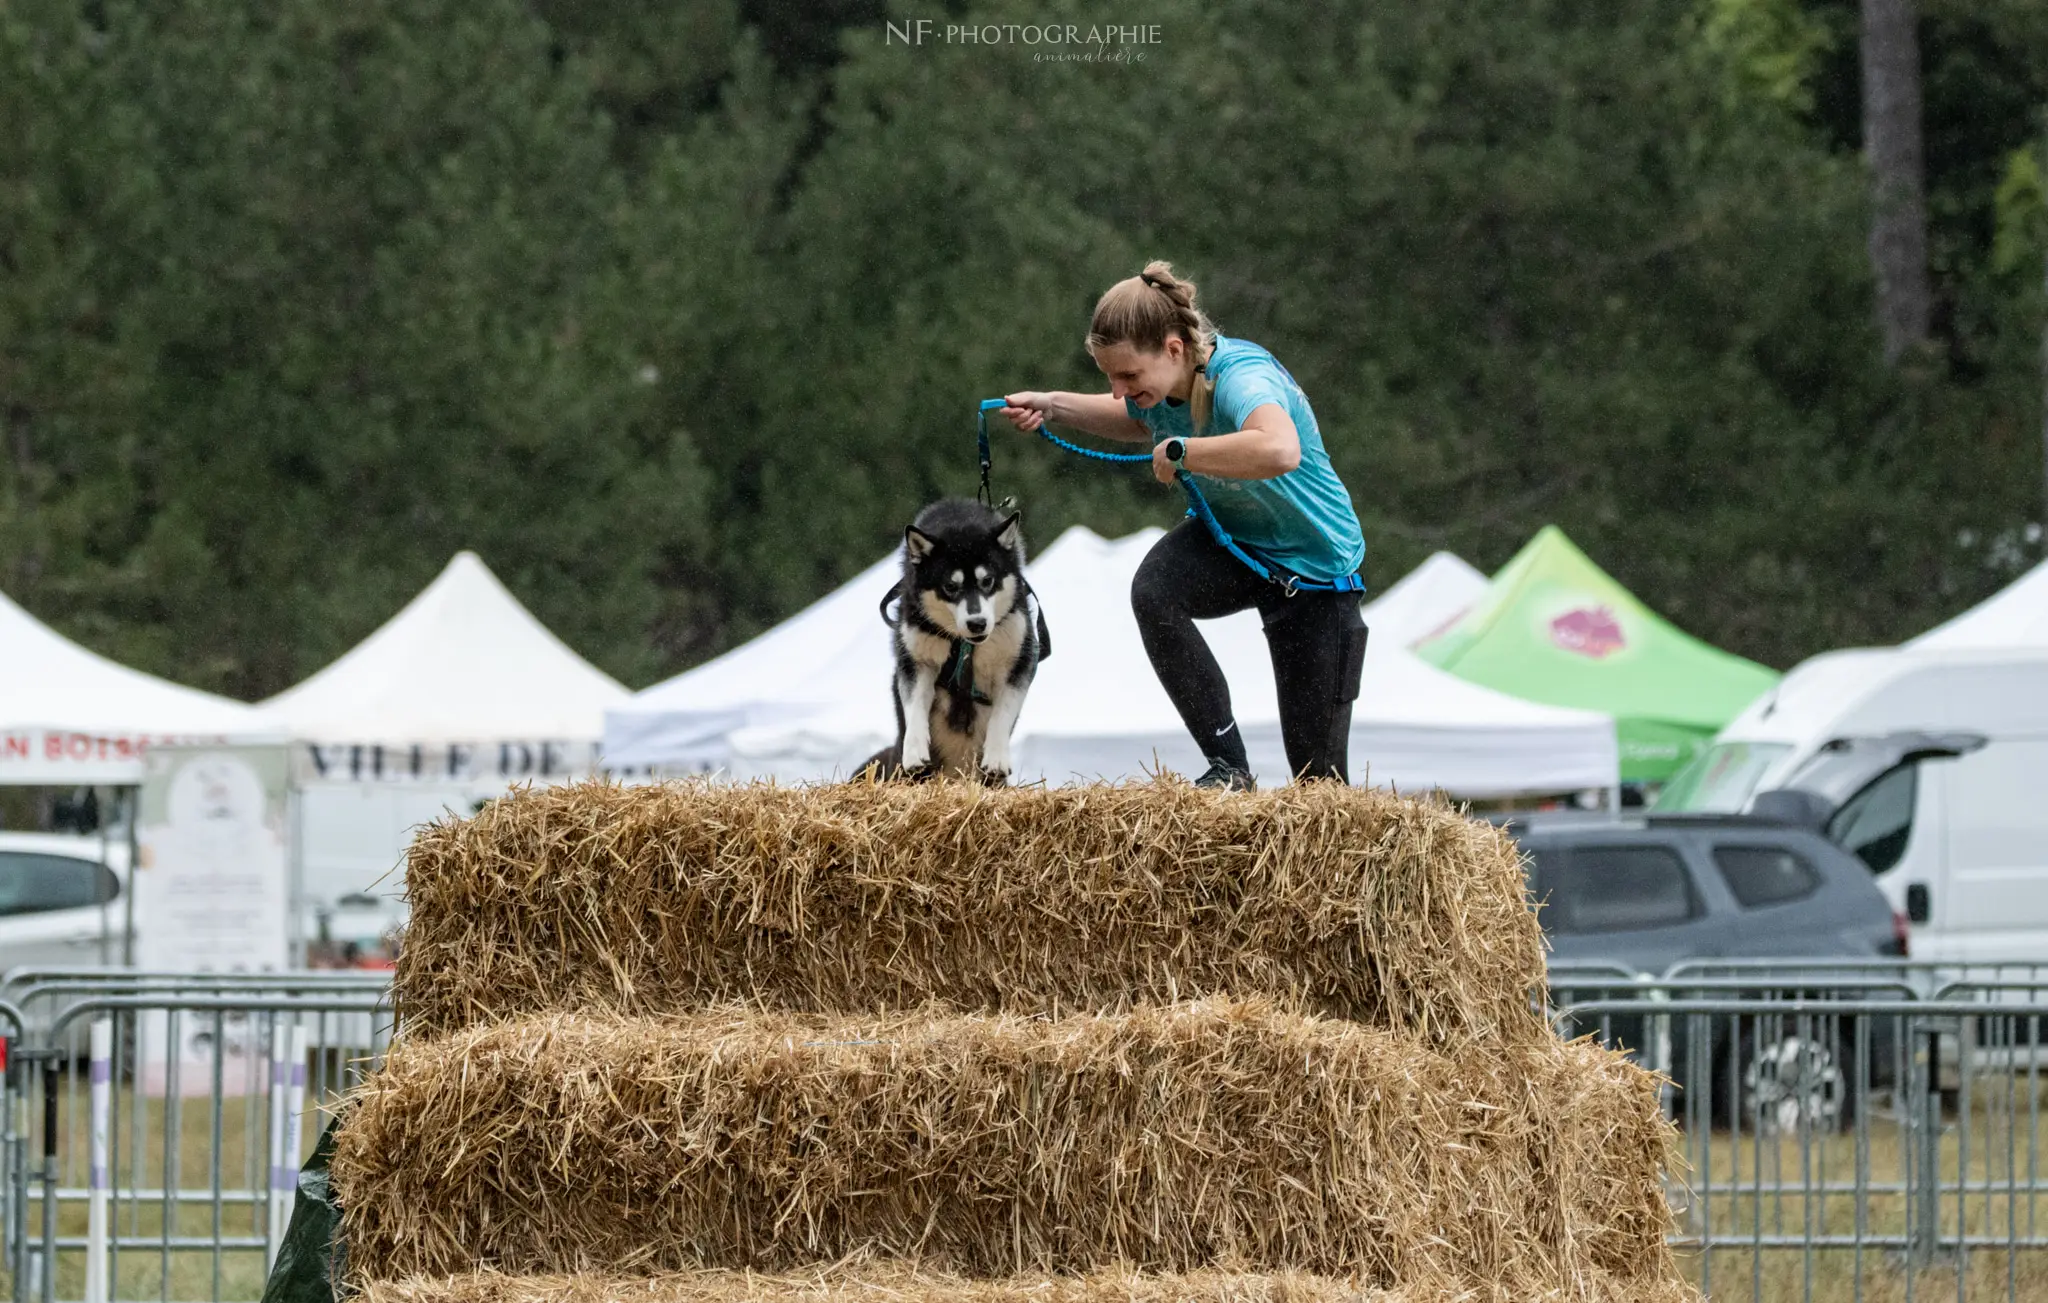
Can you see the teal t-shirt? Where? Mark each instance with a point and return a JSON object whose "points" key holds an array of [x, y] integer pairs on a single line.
{"points": [[1303, 519]]}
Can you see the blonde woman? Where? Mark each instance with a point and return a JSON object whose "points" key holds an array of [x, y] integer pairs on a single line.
{"points": [[1226, 412]]}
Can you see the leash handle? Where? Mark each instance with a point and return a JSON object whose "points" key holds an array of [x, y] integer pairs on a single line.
{"points": [[987, 495]]}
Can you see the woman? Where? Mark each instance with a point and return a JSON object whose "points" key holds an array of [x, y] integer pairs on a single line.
{"points": [[1226, 412]]}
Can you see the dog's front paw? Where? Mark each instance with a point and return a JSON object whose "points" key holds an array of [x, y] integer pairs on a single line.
{"points": [[923, 773], [995, 755], [995, 777]]}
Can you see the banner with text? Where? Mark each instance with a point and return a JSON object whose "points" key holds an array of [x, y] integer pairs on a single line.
{"points": [[62, 758], [543, 760]]}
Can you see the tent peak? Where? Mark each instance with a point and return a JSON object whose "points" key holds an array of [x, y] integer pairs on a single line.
{"points": [[1555, 627], [47, 681], [2015, 616], [467, 563], [1553, 536], [463, 659]]}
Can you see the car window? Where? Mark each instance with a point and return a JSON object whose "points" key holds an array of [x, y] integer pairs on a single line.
{"points": [[1765, 875], [35, 884], [1617, 888], [1875, 824]]}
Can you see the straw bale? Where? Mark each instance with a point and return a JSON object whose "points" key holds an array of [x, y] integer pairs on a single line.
{"points": [[885, 1285], [1610, 1172], [857, 897], [873, 1285], [1212, 1133]]}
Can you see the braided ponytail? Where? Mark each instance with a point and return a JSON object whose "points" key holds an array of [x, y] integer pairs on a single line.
{"points": [[1144, 310]]}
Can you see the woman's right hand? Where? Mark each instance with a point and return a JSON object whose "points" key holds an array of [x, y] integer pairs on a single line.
{"points": [[1027, 410]]}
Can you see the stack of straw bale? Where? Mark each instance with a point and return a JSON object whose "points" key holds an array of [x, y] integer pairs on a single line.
{"points": [[858, 897], [1142, 1043]]}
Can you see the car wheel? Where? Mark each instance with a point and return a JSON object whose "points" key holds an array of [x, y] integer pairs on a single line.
{"points": [[1792, 1082]]}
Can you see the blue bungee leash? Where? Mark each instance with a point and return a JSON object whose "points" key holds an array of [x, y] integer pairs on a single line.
{"points": [[1198, 507]]}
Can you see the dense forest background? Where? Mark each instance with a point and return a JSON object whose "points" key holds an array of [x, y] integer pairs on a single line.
{"points": [[676, 313]]}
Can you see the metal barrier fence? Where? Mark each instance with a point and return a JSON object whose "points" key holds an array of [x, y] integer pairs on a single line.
{"points": [[156, 1122], [1849, 1129]]}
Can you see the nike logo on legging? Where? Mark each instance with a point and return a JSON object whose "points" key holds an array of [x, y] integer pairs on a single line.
{"points": [[1226, 728]]}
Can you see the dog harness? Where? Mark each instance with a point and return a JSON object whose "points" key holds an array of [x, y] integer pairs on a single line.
{"points": [[1198, 507], [959, 671]]}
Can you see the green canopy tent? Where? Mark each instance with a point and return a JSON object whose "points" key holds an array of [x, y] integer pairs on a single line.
{"points": [[1555, 628]]}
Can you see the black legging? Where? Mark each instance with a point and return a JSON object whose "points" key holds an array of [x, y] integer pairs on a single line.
{"points": [[1317, 641]]}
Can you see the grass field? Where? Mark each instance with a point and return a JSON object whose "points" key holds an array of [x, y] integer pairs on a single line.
{"points": [[1738, 1277], [1852, 1185], [151, 1271]]}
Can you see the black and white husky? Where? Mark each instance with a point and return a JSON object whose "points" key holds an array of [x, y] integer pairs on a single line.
{"points": [[969, 637]]}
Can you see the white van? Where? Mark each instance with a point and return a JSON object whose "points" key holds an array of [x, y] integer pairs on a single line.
{"points": [[59, 904], [1930, 765]]}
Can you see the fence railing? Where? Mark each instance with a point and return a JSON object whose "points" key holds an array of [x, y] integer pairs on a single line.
{"points": [[1849, 1129], [157, 1122]]}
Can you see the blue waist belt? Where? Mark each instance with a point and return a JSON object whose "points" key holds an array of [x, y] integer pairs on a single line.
{"points": [[1198, 507]]}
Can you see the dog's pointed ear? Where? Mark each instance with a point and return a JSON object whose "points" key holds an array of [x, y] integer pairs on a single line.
{"points": [[1011, 534], [916, 545]]}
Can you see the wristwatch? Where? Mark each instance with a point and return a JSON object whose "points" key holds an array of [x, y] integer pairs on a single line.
{"points": [[1176, 448]]}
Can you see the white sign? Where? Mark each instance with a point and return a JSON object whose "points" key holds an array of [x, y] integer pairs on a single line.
{"points": [[211, 893]]}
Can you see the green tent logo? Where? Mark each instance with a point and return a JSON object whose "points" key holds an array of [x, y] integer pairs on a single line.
{"points": [[1590, 631]]}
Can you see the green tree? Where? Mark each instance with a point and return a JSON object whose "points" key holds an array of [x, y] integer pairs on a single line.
{"points": [[677, 317], [376, 317]]}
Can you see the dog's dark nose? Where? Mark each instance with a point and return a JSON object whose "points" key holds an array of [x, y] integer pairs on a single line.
{"points": [[977, 626]]}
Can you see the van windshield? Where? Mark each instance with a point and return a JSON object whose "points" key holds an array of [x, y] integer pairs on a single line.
{"points": [[1721, 779]]}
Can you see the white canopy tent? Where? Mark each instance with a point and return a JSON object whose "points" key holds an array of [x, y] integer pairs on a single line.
{"points": [[460, 694], [834, 650], [69, 716], [2014, 616], [72, 718], [1425, 600], [1096, 709], [1821, 687], [683, 723], [462, 664]]}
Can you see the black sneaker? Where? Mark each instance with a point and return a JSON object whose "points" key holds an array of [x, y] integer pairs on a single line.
{"points": [[1223, 774]]}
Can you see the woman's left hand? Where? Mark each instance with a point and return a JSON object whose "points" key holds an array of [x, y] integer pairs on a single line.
{"points": [[1163, 466]]}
